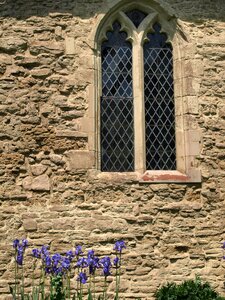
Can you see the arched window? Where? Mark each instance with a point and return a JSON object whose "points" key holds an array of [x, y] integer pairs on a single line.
{"points": [[117, 132], [159, 102], [142, 121], [117, 113]]}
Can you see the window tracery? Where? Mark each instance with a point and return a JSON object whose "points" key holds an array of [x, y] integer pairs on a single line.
{"points": [[139, 22]]}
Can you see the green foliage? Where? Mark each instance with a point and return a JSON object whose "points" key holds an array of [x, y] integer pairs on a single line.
{"points": [[57, 292], [188, 290]]}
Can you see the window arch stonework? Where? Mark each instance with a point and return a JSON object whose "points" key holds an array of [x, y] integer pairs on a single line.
{"points": [[188, 135]]}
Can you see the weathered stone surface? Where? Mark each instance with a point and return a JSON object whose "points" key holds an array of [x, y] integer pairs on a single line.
{"points": [[30, 225], [41, 72], [78, 159], [46, 47], [38, 169], [12, 44], [50, 189], [39, 183], [27, 61]]}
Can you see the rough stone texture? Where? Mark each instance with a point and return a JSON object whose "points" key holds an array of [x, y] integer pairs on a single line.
{"points": [[172, 231]]}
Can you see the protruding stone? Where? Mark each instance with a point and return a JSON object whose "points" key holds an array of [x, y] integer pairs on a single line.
{"points": [[39, 183], [56, 159], [12, 44], [41, 73], [70, 134], [30, 225], [78, 159], [70, 45], [38, 169], [46, 47], [27, 62]]}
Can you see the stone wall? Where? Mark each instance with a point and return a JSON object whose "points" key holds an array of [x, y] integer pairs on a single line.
{"points": [[50, 192]]}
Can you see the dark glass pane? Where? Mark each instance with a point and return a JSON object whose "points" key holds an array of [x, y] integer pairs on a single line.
{"points": [[136, 16], [117, 134], [159, 102]]}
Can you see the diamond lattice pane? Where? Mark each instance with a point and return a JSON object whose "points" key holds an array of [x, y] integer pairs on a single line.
{"points": [[159, 104], [117, 134]]}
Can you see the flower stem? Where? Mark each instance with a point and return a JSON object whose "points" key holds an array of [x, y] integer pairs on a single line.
{"points": [[104, 290], [68, 284], [16, 274], [94, 286], [22, 289]]}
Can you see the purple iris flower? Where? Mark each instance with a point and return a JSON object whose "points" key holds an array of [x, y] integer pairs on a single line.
{"points": [[66, 263], [15, 243], [70, 255], [78, 250], [47, 261], [56, 258], [106, 265], [82, 263], [36, 253], [119, 246], [93, 264], [82, 277], [25, 243], [91, 254], [19, 258], [44, 251], [223, 246], [20, 249], [116, 262]]}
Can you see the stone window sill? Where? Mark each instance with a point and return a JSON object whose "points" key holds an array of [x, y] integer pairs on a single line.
{"points": [[148, 177]]}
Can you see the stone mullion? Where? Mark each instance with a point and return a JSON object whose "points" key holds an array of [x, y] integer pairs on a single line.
{"points": [[139, 109]]}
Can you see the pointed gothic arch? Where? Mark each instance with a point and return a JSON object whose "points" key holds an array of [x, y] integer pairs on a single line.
{"points": [[137, 36]]}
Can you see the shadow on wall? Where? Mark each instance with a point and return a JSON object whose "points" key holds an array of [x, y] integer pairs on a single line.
{"points": [[188, 10]]}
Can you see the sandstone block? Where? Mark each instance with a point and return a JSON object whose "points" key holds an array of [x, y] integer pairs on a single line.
{"points": [[44, 226], [39, 183], [5, 59], [79, 159], [46, 109], [27, 62], [38, 47], [70, 45], [56, 159], [70, 133], [30, 225], [12, 44], [41, 73], [38, 169]]}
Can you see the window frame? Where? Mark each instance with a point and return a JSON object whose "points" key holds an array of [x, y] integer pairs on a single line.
{"points": [[188, 134]]}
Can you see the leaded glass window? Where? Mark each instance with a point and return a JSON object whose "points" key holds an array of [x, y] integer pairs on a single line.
{"points": [[159, 102], [122, 94], [117, 134]]}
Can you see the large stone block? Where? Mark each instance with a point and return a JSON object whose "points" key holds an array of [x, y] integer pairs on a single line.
{"points": [[39, 183], [79, 159], [30, 225], [12, 44]]}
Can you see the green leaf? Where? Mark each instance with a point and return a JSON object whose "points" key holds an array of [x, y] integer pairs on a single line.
{"points": [[79, 296], [90, 295], [117, 295], [187, 290]]}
